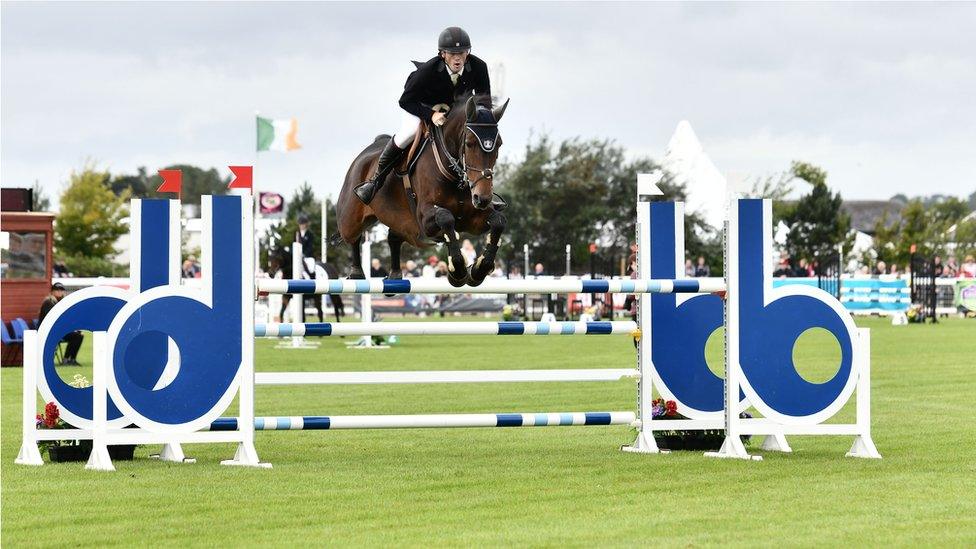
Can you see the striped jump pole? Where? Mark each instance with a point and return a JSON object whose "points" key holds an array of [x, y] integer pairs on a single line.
{"points": [[427, 421], [493, 286], [445, 328]]}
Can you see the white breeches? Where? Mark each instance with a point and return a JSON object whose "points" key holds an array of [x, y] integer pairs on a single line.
{"points": [[408, 129]]}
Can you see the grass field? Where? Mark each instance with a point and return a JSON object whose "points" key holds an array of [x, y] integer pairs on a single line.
{"points": [[563, 486]]}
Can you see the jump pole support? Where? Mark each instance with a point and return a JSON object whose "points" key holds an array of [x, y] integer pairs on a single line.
{"points": [[297, 304]]}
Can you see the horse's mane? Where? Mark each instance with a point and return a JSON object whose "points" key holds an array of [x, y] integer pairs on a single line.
{"points": [[459, 107]]}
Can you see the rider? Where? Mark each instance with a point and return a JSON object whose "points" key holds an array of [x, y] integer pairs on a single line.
{"points": [[454, 72]]}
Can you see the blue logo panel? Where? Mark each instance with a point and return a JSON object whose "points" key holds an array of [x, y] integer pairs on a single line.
{"points": [[208, 335], [768, 332], [680, 331], [93, 309]]}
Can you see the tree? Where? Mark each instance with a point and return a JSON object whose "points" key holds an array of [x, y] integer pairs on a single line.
{"points": [[927, 227], [41, 201], [776, 188], [139, 185], [964, 238], [89, 223], [817, 223], [578, 192]]}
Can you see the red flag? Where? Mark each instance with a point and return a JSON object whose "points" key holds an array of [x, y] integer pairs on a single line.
{"points": [[172, 181], [243, 176]]}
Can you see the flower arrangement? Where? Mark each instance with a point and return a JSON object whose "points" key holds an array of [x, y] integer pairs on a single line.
{"points": [[665, 408], [51, 419], [72, 449], [697, 439]]}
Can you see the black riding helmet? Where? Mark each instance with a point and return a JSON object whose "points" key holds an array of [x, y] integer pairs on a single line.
{"points": [[453, 40]]}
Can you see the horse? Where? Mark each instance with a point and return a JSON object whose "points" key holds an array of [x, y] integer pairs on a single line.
{"points": [[436, 193]]}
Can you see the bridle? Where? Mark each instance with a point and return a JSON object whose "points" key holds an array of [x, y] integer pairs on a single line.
{"points": [[487, 135]]}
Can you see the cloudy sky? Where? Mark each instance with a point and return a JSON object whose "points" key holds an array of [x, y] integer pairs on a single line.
{"points": [[881, 95]]}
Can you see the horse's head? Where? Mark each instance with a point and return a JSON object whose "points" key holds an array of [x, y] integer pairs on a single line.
{"points": [[478, 138]]}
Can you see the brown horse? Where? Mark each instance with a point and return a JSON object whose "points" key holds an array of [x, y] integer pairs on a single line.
{"points": [[452, 182]]}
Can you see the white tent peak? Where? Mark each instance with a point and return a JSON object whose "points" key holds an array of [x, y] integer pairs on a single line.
{"points": [[687, 161]]}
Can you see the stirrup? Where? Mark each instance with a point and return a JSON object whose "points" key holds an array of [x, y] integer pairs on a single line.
{"points": [[366, 191]]}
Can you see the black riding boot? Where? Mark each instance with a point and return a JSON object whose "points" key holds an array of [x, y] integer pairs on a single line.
{"points": [[391, 153]]}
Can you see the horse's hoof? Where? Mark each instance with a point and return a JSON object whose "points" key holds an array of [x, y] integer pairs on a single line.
{"points": [[474, 281]]}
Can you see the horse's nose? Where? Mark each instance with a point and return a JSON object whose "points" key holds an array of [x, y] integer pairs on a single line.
{"points": [[480, 201]]}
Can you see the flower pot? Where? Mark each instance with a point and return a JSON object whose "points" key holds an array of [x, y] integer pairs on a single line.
{"points": [[122, 452], [74, 452], [81, 451], [690, 441]]}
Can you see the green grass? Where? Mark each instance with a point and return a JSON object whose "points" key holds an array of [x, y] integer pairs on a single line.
{"points": [[566, 486]]}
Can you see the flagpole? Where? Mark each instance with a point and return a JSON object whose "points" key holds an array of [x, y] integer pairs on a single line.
{"points": [[256, 195]]}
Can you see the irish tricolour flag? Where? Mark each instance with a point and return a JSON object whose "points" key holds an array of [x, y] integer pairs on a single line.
{"points": [[277, 135]]}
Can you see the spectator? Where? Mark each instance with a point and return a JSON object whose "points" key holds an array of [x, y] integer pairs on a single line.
{"points": [[376, 269], [702, 269], [689, 268], [306, 238], [499, 271], [968, 268], [430, 269], [441, 269], [880, 269], [937, 267], [951, 269], [191, 268], [188, 271], [783, 270], [539, 270], [630, 302], [515, 272], [60, 269], [864, 270], [411, 270], [468, 251], [73, 339], [894, 270]]}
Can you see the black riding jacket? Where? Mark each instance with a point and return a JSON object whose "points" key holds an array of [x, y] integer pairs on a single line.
{"points": [[431, 85]]}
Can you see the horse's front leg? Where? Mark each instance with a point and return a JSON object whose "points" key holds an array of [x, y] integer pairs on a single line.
{"points": [[442, 221], [396, 243], [356, 270], [485, 264]]}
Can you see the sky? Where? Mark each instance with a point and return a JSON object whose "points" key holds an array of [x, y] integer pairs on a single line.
{"points": [[882, 96]]}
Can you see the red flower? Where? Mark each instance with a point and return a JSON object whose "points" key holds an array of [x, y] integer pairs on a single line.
{"points": [[51, 415], [670, 408]]}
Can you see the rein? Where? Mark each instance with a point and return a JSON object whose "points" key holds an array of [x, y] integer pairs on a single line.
{"points": [[461, 168]]}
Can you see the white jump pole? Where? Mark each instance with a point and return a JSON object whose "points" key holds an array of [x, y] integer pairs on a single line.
{"points": [[366, 300], [325, 229], [297, 303]]}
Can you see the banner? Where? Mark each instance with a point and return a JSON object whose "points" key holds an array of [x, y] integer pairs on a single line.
{"points": [[271, 204], [966, 294]]}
